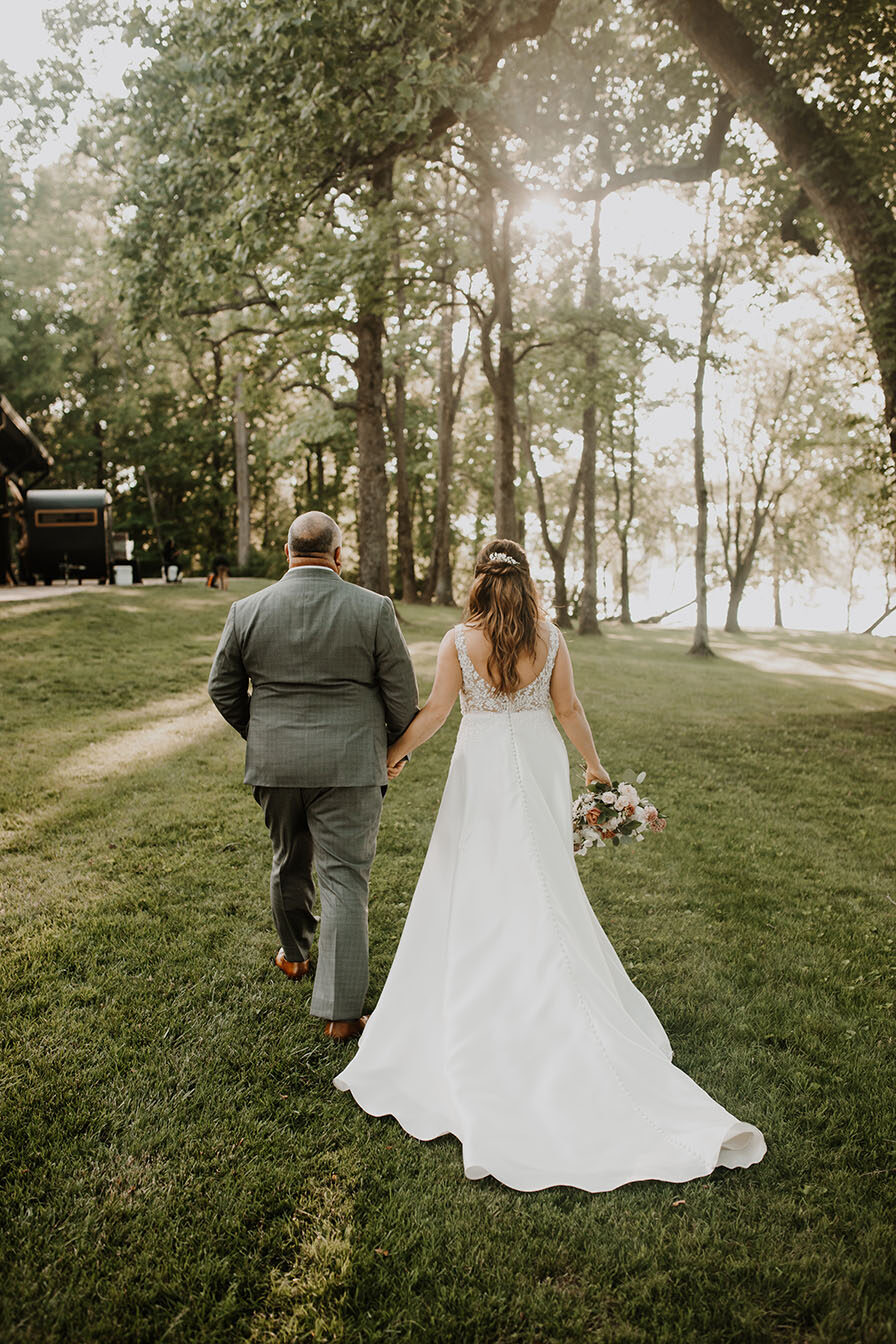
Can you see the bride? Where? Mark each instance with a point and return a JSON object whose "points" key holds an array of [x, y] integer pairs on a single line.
{"points": [[507, 1018]]}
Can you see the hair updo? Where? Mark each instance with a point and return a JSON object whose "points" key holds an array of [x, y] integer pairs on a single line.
{"points": [[503, 603]]}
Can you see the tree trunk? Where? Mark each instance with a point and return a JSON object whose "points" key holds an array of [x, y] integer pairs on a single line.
{"points": [[561, 593], [779, 615], [735, 596], [501, 377], [241, 457], [438, 583], [407, 579], [588, 623], [625, 612], [373, 486], [100, 456], [709, 296], [320, 480], [622, 523], [861, 222]]}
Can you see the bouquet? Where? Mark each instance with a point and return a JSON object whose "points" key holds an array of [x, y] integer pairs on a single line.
{"points": [[613, 816]]}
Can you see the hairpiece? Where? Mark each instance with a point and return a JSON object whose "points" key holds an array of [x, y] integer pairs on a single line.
{"points": [[502, 557]]}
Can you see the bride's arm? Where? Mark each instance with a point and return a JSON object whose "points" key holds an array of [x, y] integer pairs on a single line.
{"points": [[441, 700], [568, 708]]}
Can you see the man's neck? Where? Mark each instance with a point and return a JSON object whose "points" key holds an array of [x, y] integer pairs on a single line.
{"points": [[297, 561]]}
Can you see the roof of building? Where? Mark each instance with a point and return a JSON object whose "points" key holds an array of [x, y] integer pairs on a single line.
{"points": [[20, 450]]}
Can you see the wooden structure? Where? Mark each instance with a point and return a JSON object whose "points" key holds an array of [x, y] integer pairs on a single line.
{"points": [[22, 455]]}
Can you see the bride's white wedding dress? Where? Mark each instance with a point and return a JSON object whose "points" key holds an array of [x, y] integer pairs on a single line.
{"points": [[507, 1018]]}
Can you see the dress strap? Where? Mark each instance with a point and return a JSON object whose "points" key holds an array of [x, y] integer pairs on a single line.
{"points": [[460, 644], [553, 646]]}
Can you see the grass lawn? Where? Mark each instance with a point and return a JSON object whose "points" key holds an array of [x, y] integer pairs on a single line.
{"points": [[176, 1164]]}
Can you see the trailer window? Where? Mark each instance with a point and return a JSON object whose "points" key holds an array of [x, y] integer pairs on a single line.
{"points": [[65, 517]]}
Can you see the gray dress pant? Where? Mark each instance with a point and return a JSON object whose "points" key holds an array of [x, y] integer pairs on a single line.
{"points": [[334, 829]]}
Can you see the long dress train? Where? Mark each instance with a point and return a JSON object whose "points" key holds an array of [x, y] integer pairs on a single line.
{"points": [[507, 1018]]}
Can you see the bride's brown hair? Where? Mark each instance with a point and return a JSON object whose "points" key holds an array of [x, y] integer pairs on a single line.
{"points": [[504, 604]]}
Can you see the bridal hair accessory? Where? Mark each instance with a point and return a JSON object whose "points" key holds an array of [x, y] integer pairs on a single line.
{"points": [[613, 816], [502, 557]]}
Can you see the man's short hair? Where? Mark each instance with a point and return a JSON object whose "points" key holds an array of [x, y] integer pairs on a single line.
{"points": [[314, 533]]}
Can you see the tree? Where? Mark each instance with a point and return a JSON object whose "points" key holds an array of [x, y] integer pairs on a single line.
{"points": [[249, 139], [807, 105]]}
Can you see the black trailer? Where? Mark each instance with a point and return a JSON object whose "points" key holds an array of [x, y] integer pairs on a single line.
{"points": [[69, 534]]}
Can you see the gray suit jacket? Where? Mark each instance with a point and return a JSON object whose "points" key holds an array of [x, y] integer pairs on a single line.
{"points": [[332, 681]]}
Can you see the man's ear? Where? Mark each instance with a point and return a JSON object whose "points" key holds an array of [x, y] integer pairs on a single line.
{"points": [[337, 556], [286, 549]]}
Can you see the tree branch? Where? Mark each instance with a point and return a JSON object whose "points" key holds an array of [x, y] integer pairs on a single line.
{"points": [[231, 306]]}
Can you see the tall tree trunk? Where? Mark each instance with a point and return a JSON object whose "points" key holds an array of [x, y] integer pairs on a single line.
{"points": [[373, 486], [625, 610], [860, 221], [100, 455], [320, 480], [710, 293], [241, 458], [622, 521], [700, 642], [407, 579], [501, 376], [588, 623], [439, 579], [776, 573]]}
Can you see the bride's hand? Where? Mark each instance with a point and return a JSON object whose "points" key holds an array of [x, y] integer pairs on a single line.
{"points": [[597, 775], [396, 760]]}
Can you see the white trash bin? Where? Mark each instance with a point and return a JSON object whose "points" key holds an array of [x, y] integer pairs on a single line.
{"points": [[123, 575]]}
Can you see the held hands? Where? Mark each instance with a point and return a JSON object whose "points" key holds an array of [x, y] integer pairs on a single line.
{"points": [[596, 774], [396, 760]]}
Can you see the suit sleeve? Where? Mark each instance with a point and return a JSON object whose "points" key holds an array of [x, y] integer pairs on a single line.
{"points": [[228, 683], [395, 672]]}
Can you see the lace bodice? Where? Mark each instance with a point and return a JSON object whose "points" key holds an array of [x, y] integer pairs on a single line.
{"points": [[478, 695]]}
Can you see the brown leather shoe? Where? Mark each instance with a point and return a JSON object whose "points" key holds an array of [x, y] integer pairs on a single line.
{"points": [[293, 970], [345, 1031]]}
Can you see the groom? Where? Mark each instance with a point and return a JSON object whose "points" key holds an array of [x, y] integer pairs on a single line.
{"points": [[332, 685]]}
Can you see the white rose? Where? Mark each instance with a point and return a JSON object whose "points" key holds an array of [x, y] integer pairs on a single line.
{"points": [[608, 798]]}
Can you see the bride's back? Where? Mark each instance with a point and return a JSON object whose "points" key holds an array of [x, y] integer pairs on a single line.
{"points": [[528, 668]]}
